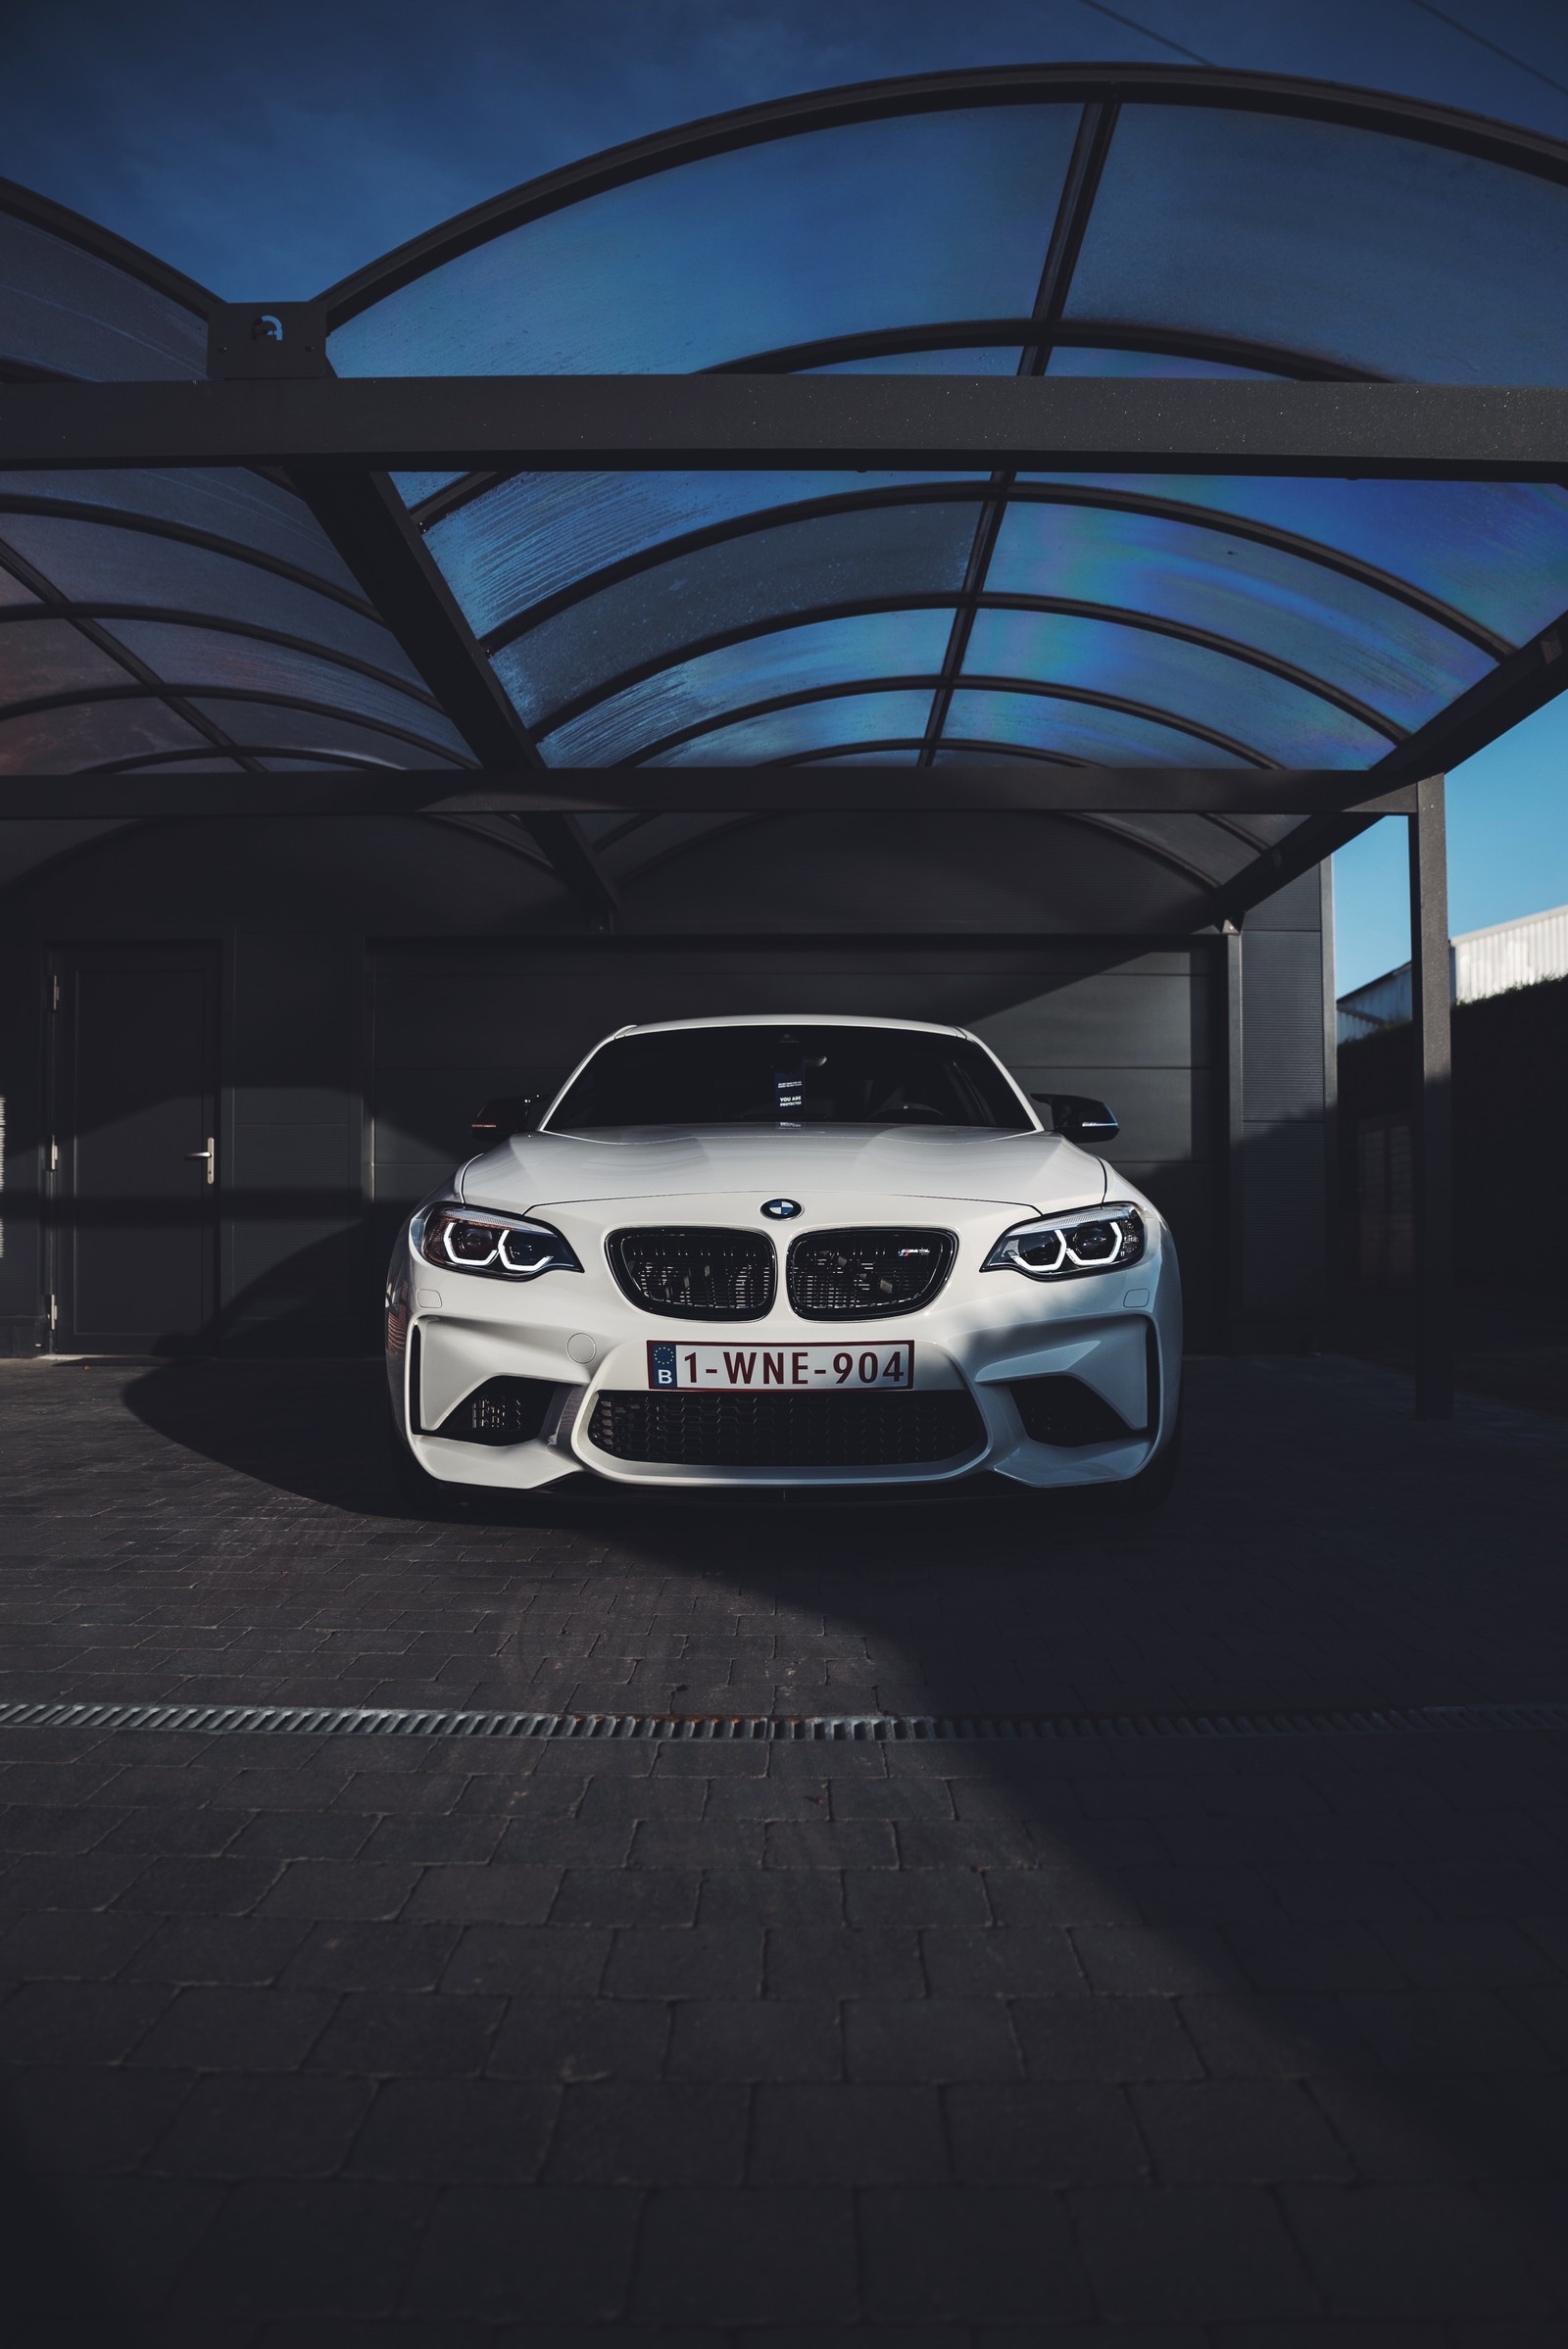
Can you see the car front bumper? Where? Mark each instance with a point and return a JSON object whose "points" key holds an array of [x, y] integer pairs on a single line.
{"points": [[1117, 1333]]}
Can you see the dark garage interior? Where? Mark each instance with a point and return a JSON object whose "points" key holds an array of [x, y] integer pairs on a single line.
{"points": [[981, 1921]]}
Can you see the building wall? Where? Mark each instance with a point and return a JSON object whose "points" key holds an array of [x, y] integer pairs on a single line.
{"points": [[381, 978]]}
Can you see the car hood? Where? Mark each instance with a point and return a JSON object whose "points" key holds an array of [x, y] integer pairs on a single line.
{"points": [[1033, 1171]]}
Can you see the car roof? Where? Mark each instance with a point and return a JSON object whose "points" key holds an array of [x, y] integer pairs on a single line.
{"points": [[792, 1019]]}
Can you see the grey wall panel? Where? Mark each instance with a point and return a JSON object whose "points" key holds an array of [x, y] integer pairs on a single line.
{"points": [[1283, 1130], [1283, 1025], [1116, 1019]]}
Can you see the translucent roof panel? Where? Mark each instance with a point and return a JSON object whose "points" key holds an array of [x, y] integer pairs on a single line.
{"points": [[240, 511], [76, 735], [192, 657], [992, 359], [837, 720], [1496, 552], [67, 312], [44, 655], [781, 573], [787, 662], [1397, 661], [1082, 731], [284, 725], [1244, 706], [1085, 359], [1380, 252], [94, 564], [846, 231], [537, 534]]}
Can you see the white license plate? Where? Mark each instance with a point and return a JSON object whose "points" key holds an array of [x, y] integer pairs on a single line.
{"points": [[735, 1367]]}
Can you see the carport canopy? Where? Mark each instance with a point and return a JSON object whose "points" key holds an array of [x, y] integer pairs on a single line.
{"points": [[976, 634]]}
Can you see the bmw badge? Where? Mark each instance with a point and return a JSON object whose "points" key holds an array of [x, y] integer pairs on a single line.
{"points": [[781, 1209]]}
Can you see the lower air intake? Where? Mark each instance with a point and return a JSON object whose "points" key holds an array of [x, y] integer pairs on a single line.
{"points": [[695, 1272], [787, 1430], [501, 1411], [838, 1276], [1064, 1410]]}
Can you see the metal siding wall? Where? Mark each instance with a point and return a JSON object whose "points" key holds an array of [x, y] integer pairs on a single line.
{"points": [[1490, 961]]}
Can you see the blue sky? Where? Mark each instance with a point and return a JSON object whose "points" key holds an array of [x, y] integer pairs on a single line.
{"points": [[267, 149]]}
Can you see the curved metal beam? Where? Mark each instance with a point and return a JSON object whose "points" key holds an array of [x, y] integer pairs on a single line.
{"points": [[1011, 85], [892, 742], [1067, 607], [1030, 493], [1152, 850], [333, 762], [967, 334], [1240, 750]]}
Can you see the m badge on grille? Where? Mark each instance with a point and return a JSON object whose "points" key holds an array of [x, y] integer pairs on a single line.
{"points": [[781, 1209]]}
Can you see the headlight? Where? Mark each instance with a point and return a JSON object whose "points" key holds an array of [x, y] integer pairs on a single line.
{"points": [[1063, 1248], [508, 1248]]}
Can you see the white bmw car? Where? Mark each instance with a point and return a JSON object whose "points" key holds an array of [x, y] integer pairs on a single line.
{"points": [[767, 1251]]}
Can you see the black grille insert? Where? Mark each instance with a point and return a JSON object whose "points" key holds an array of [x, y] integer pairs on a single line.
{"points": [[696, 1272], [501, 1411], [851, 1275], [1064, 1410], [788, 1431]]}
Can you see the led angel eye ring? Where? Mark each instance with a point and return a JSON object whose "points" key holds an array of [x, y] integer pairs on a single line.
{"points": [[465, 1263]]}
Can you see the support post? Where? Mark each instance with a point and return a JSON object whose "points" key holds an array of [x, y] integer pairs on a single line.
{"points": [[1432, 1103], [1234, 1111]]}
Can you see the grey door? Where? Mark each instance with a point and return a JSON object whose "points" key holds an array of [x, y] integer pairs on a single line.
{"points": [[134, 1137]]}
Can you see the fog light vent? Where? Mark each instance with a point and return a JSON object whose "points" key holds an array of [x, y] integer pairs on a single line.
{"points": [[501, 1411], [1064, 1411]]}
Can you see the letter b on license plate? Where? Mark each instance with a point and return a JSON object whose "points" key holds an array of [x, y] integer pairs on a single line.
{"points": [[774, 1368]]}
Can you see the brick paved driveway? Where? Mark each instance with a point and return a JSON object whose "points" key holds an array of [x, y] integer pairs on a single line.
{"points": [[312, 2042]]}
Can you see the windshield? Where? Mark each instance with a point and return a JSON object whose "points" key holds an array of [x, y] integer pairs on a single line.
{"points": [[796, 1076]]}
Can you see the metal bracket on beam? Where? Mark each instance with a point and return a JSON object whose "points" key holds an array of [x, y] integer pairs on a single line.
{"points": [[277, 342]]}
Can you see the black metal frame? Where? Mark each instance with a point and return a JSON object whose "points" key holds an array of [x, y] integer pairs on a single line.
{"points": [[339, 438], [1432, 1136], [1023, 785], [918, 424]]}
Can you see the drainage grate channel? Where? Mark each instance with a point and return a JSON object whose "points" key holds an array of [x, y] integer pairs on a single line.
{"points": [[891, 1728]]}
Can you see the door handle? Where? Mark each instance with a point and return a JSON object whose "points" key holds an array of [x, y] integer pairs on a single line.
{"points": [[209, 1154]]}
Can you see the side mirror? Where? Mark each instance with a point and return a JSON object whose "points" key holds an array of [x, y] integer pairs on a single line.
{"points": [[509, 1113], [1079, 1116]]}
